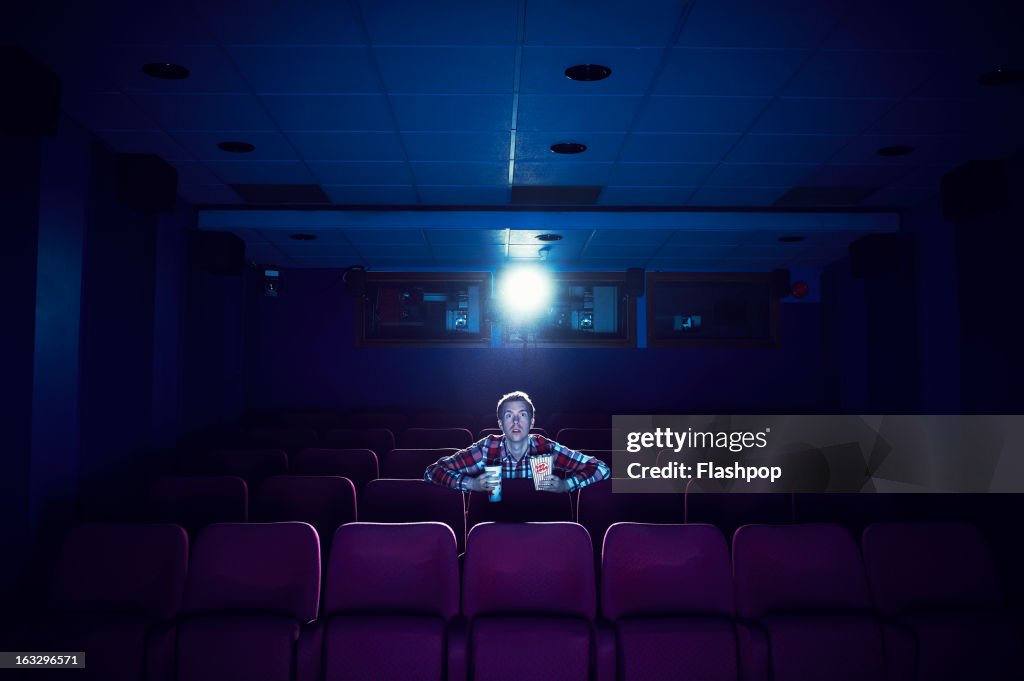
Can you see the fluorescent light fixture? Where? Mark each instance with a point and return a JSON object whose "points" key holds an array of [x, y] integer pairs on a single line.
{"points": [[524, 291]]}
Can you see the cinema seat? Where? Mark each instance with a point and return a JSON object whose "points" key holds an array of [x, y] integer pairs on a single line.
{"points": [[380, 440], [559, 420], [803, 594], [730, 510], [358, 465], [195, 503], [528, 593], [585, 438], [520, 503], [395, 421], [405, 501], [252, 465], [116, 589], [288, 439], [391, 591], [939, 580], [442, 419], [668, 590], [324, 501], [251, 588], [432, 438], [598, 508], [410, 464]]}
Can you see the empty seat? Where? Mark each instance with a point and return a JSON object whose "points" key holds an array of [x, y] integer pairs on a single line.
{"points": [[585, 438], [323, 501], [528, 592], [289, 439], [598, 508], [251, 588], [484, 432], [805, 589], [252, 465], [442, 419], [432, 438], [405, 501], [116, 589], [520, 503], [939, 579], [380, 440], [560, 420], [358, 465], [410, 464], [195, 503], [730, 510], [668, 590], [395, 421], [390, 592]]}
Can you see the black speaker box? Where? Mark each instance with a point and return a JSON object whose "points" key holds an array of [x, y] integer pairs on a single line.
{"points": [[877, 255], [635, 282], [220, 253], [31, 95], [146, 183], [975, 188], [355, 281], [780, 283]]}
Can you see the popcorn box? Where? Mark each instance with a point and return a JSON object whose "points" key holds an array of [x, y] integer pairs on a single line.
{"points": [[542, 467]]}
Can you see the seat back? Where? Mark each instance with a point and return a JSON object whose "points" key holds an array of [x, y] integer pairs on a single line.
{"points": [[404, 501], [288, 439], [520, 503], [432, 438], [410, 464], [195, 503], [585, 438], [252, 465], [380, 440], [324, 501], [358, 465]]}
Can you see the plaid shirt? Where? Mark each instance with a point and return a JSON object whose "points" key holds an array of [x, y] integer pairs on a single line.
{"points": [[579, 470]]}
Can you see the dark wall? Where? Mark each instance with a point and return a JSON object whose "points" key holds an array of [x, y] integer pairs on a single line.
{"points": [[303, 354]]}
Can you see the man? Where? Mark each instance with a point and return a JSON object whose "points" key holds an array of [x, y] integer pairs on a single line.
{"points": [[464, 470]]}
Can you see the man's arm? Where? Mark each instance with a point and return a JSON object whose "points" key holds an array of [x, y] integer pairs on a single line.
{"points": [[582, 470], [457, 470]]}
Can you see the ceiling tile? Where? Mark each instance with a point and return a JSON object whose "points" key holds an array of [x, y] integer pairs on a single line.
{"points": [[205, 111], [604, 22], [536, 146], [466, 237], [461, 174], [579, 174], [463, 196], [202, 145], [347, 146], [798, 115], [329, 112], [704, 71], [320, 22], [782, 23], [644, 196], [660, 174], [306, 69], [736, 196], [463, 22], [476, 113], [758, 174], [261, 172], [591, 113], [446, 70], [678, 148], [786, 148], [457, 146], [383, 237], [370, 195], [360, 173], [700, 114]]}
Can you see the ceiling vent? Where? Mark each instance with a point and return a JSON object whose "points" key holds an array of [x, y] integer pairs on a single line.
{"points": [[524, 195], [281, 193], [820, 197]]}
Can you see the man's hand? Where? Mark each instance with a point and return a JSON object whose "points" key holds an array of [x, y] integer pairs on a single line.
{"points": [[481, 483], [553, 484]]}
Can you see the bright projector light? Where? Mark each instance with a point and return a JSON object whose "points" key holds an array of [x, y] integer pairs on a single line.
{"points": [[525, 291]]}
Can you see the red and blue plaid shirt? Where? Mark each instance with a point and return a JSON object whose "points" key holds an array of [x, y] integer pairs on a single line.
{"points": [[578, 469]]}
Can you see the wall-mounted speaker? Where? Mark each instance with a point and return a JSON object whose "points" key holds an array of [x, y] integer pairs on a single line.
{"points": [[220, 253], [146, 183], [31, 95], [635, 282], [975, 188]]}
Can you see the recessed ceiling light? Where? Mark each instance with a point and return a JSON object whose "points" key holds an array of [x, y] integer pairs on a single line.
{"points": [[895, 150], [549, 237], [166, 71], [568, 148], [236, 147], [791, 238], [587, 72], [302, 237], [1001, 77]]}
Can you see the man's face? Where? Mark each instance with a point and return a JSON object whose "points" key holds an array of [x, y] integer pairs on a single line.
{"points": [[515, 420]]}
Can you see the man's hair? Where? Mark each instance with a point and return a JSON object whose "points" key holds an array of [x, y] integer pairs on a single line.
{"points": [[516, 396]]}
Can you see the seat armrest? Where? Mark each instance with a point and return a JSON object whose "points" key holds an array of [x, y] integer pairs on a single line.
{"points": [[604, 651], [309, 652], [458, 649], [752, 641]]}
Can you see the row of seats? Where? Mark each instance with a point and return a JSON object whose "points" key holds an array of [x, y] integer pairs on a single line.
{"points": [[339, 493], [398, 420], [791, 602], [383, 440]]}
